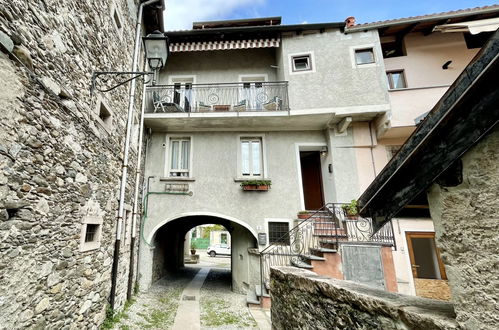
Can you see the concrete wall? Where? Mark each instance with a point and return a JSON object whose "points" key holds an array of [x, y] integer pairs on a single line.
{"points": [[303, 300], [423, 70], [467, 232], [57, 158]]}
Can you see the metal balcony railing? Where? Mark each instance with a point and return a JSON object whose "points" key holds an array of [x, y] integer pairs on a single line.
{"points": [[223, 97]]}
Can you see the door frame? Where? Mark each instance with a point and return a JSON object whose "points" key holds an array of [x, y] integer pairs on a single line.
{"points": [[423, 234], [307, 146]]}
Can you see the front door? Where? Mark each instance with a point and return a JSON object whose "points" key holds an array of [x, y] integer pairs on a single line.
{"points": [[312, 179]]}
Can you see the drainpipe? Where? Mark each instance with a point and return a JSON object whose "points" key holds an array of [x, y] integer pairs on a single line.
{"points": [[131, 101]]}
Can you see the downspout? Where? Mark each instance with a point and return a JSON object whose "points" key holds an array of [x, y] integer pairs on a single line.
{"points": [[131, 101], [372, 153]]}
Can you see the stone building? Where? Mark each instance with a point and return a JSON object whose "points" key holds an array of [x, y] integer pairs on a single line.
{"points": [[61, 157]]}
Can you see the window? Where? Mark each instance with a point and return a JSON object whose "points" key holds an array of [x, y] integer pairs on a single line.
{"points": [[396, 79], [279, 232], [251, 156], [392, 48], [105, 114], [302, 63], [180, 149], [364, 56], [91, 232]]}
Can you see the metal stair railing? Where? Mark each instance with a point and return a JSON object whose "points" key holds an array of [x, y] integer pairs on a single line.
{"points": [[324, 228]]}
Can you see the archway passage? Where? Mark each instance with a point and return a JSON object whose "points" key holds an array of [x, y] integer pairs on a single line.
{"points": [[171, 247]]}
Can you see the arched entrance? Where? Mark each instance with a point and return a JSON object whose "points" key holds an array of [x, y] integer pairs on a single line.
{"points": [[167, 241]]}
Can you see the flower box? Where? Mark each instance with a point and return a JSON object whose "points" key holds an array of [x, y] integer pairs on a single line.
{"points": [[256, 185]]}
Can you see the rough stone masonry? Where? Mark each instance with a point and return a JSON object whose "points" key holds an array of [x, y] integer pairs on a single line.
{"points": [[58, 159]]}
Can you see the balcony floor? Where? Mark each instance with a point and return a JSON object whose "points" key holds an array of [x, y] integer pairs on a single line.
{"points": [[312, 119]]}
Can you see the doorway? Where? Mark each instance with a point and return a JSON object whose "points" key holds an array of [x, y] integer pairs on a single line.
{"points": [[311, 175], [427, 267]]}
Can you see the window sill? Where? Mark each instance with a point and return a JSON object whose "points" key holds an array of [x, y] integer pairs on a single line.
{"points": [[177, 178], [416, 88], [251, 178]]}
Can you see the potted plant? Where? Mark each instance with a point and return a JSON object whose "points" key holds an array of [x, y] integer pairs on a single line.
{"points": [[303, 215], [256, 185], [193, 248], [351, 210]]}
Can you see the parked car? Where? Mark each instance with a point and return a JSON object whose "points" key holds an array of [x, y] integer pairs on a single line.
{"points": [[218, 249]]}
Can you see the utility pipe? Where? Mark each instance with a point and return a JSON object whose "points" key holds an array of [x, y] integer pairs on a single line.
{"points": [[131, 101]]}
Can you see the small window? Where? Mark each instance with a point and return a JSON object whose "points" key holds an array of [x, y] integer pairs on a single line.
{"points": [[105, 114], [364, 56], [302, 63], [117, 19], [251, 156], [91, 232], [396, 79], [180, 149], [279, 232], [392, 48]]}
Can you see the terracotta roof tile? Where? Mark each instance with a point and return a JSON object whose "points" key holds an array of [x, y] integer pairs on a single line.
{"points": [[429, 16]]}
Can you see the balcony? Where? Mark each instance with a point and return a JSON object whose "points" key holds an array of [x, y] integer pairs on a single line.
{"points": [[218, 98]]}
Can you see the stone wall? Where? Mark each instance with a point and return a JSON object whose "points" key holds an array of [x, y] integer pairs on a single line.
{"points": [[58, 158], [467, 232], [303, 300]]}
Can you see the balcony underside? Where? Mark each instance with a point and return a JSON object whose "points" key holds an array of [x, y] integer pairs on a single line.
{"points": [[255, 121]]}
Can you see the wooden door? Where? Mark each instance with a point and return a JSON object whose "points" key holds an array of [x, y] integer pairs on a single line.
{"points": [[425, 256], [312, 179]]}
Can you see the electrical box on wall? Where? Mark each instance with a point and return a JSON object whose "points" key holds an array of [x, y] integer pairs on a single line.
{"points": [[262, 239]]}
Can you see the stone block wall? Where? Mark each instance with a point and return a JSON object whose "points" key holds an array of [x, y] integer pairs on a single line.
{"points": [[58, 159], [303, 300], [466, 221]]}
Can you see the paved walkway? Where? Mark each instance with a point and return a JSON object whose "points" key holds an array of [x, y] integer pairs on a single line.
{"points": [[187, 317]]}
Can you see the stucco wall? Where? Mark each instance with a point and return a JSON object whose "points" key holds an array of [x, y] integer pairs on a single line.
{"points": [[467, 231], [423, 69], [222, 66], [337, 81]]}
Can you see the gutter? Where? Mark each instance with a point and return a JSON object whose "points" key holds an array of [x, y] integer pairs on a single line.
{"points": [[131, 101]]}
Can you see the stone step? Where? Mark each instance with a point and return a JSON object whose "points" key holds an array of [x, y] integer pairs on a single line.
{"points": [[251, 298], [324, 250], [301, 264], [312, 257]]}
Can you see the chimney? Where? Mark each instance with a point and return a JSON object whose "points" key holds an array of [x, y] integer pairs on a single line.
{"points": [[350, 21]]}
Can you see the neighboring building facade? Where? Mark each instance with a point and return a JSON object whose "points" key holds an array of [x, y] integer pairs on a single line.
{"points": [[423, 56], [60, 160]]}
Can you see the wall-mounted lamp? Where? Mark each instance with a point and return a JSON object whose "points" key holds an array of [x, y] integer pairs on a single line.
{"points": [[157, 49], [323, 151], [446, 65]]}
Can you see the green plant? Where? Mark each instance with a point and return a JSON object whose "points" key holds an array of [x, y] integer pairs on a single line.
{"points": [[256, 183], [351, 209], [193, 245], [303, 212]]}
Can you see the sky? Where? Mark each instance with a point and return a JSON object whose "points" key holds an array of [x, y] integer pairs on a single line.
{"points": [[180, 14]]}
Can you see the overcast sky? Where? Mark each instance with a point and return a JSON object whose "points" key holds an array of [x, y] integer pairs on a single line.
{"points": [[181, 13]]}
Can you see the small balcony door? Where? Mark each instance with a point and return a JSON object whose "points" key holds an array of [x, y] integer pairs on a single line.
{"points": [[182, 92], [311, 175], [253, 91], [424, 256]]}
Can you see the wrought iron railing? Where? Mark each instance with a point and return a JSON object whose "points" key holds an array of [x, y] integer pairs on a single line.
{"points": [[323, 230], [223, 97]]}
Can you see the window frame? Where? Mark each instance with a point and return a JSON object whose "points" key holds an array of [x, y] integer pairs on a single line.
{"points": [[377, 53], [250, 138], [311, 57], [299, 57], [168, 167], [391, 85], [358, 50], [91, 216]]}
